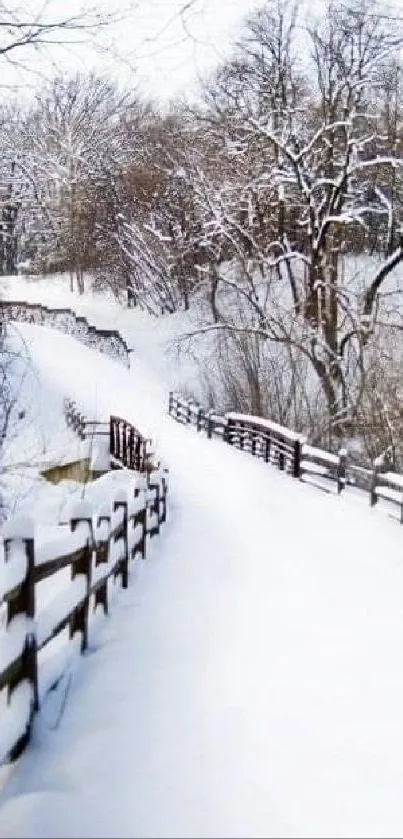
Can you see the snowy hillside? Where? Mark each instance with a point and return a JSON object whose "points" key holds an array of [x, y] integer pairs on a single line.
{"points": [[54, 367]]}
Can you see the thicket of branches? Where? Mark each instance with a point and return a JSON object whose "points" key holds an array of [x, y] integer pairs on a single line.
{"points": [[276, 205]]}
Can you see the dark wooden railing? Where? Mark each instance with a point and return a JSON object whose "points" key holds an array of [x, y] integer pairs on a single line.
{"points": [[291, 452], [96, 545], [264, 439], [128, 448]]}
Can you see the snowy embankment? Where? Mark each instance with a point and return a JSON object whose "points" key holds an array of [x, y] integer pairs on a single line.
{"points": [[250, 681], [53, 368]]}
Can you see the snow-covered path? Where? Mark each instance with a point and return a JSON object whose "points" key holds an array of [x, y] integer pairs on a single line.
{"points": [[250, 681]]}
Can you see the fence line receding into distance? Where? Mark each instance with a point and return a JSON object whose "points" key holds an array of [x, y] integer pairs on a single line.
{"points": [[291, 452]]}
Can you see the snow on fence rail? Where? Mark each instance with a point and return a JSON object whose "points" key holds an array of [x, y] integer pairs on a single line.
{"points": [[98, 545], [291, 452], [261, 437], [108, 341]]}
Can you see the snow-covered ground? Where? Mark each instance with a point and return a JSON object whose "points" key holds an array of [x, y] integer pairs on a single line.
{"points": [[250, 681], [52, 369]]}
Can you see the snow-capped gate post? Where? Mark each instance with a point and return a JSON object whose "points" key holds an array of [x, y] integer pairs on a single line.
{"points": [[103, 531], [82, 515], [20, 600]]}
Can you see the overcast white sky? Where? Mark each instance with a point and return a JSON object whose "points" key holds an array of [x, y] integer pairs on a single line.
{"points": [[171, 47], [170, 42]]}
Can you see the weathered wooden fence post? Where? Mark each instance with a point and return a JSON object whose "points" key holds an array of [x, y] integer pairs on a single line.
{"points": [[154, 486], [199, 418], [296, 461], [171, 403], [143, 522], [267, 447], [373, 498], [163, 498], [132, 458], [102, 557], [209, 424], [82, 514], [112, 437], [124, 427], [121, 504], [240, 429], [20, 533], [341, 471], [228, 431]]}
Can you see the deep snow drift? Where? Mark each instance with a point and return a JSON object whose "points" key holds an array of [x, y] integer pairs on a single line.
{"points": [[250, 681]]}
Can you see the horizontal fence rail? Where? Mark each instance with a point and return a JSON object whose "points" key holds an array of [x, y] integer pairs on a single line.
{"points": [[98, 545], [108, 341], [291, 452]]}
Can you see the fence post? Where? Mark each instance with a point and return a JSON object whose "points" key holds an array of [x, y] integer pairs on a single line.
{"points": [[101, 558], [209, 425], [131, 462], [155, 506], [83, 565], [241, 428], [171, 403], [163, 498], [124, 563], [199, 419], [373, 498], [111, 437], [341, 471], [124, 443], [296, 462], [143, 522], [21, 530]]}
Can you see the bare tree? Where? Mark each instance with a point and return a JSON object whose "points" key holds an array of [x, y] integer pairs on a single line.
{"points": [[307, 174]]}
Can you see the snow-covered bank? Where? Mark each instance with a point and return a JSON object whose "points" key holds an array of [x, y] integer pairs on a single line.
{"points": [[249, 684], [250, 681]]}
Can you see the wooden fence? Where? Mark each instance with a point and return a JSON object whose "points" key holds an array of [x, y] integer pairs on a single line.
{"points": [[98, 546], [291, 452], [127, 446], [108, 341]]}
